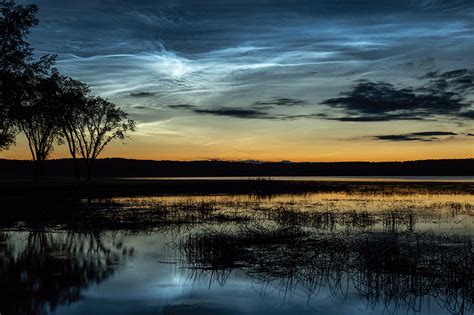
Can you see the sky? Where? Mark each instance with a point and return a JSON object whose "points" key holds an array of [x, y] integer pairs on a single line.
{"points": [[299, 80]]}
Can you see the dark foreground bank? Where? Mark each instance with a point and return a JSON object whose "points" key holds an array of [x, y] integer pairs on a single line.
{"points": [[144, 168], [112, 187]]}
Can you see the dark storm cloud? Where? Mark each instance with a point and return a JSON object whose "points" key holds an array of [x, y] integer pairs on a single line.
{"points": [[376, 118], [439, 94], [433, 133], [468, 114], [181, 106], [426, 136], [252, 113], [300, 116], [142, 94], [442, 94], [282, 101], [141, 107], [381, 97], [234, 112]]}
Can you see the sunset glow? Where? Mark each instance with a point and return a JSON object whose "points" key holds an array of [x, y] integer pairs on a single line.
{"points": [[263, 80]]}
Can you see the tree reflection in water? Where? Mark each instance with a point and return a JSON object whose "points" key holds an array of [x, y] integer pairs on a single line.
{"points": [[389, 253], [396, 270], [52, 269]]}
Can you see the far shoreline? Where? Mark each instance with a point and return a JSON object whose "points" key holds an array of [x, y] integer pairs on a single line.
{"points": [[342, 178], [127, 168]]}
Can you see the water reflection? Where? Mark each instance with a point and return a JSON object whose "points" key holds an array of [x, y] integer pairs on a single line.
{"points": [[395, 270], [338, 253], [41, 270], [327, 211]]}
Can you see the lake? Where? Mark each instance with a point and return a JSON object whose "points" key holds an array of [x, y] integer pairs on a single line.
{"points": [[404, 251]]}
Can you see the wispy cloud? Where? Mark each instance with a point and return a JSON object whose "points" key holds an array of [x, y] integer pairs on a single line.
{"points": [[231, 59], [426, 136]]}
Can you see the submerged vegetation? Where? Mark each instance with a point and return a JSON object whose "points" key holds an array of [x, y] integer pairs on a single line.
{"points": [[396, 246], [399, 247], [323, 210], [398, 270], [59, 201]]}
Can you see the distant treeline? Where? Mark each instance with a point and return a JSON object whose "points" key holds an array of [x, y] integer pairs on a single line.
{"points": [[145, 168]]}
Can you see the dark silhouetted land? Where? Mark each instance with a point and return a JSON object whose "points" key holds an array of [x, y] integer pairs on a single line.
{"points": [[146, 168]]}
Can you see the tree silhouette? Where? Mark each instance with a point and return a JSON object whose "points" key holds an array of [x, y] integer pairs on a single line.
{"points": [[99, 123], [15, 53], [17, 64], [45, 105], [71, 101], [37, 119]]}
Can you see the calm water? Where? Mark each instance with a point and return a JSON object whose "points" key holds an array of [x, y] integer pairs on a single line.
{"points": [[324, 253]]}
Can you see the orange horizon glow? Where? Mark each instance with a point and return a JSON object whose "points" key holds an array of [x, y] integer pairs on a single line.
{"points": [[364, 151]]}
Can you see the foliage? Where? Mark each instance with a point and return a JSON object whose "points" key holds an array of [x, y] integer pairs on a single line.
{"points": [[99, 123], [45, 105], [17, 65], [36, 118]]}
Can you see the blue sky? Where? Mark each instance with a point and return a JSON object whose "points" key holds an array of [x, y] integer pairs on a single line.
{"points": [[241, 79]]}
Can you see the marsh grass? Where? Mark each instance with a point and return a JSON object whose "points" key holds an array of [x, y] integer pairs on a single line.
{"points": [[195, 212], [394, 269], [391, 249], [332, 213]]}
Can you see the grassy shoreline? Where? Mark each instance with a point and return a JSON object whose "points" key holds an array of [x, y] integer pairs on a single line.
{"points": [[59, 199]]}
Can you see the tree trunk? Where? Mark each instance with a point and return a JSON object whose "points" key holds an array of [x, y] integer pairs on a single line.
{"points": [[72, 149]]}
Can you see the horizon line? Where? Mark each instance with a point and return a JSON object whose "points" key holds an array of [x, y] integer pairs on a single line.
{"points": [[249, 161]]}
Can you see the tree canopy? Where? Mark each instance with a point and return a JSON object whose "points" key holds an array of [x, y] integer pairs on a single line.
{"points": [[46, 106], [99, 123], [18, 67]]}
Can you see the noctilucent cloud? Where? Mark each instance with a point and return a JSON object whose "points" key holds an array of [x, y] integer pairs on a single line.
{"points": [[274, 79]]}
